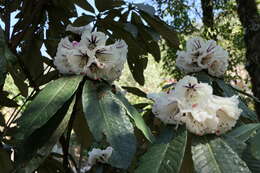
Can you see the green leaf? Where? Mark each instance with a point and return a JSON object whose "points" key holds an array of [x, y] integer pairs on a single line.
{"points": [[47, 78], [204, 77], [136, 116], [244, 132], [83, 20], [51, 165], [228, 92], [135, 91], [36, 147], [5, 162], [252, 163], [85, 5], [80, 127], [137, 65], [166, 156], [255, 143], [165, 30], [215, 156], [103, 5], [5, 101], [3, 69], [105, 116], [147, 8], [46, 104]]}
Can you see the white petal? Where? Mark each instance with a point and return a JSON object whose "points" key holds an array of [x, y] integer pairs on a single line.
{"points": [[195, 43], [165, 108], [93, 39], [218, 67]]}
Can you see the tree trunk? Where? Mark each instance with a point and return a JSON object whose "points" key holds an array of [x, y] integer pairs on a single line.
{"points": [[207, 11], [208, 17], [250, 19]]}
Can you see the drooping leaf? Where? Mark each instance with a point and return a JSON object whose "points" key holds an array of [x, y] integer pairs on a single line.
{"points": [[228, 92], [165, 156], [46, 104], [137, 65], [147, 8], [108, 118], [36, 147], [166, 31], [85, 5], [103, 5], [81, 128], [135, 91], [83, 20], [136, 116], [215, 156]]}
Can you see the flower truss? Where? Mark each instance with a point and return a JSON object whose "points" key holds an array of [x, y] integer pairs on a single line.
{"points": [[203, 54], [97, 155], [193, 104], [91, 56]]}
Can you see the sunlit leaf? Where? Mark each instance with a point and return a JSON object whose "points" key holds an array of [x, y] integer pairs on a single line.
{"points": [[214, 155], [108, 118], [36, 147], [46, 104], [165, 156]]}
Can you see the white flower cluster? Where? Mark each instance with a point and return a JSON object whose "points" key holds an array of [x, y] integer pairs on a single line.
{"points": [[203, 54], [90, 56], [97, 155], [193, 104]]}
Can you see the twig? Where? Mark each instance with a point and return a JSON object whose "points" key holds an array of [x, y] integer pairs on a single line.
{"points": [[245, 93]]}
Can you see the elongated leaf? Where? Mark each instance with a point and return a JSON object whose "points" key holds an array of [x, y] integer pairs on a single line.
{"points": [[2, 59], [215, 156], [228, 92], [83, 20], [105, 116], [81, 128], [252, 163], [103, 5], [165, 157], [85, 5], [165, 30], [244, 132], [135, 91], [255, 143], [34, 149], [135, 115], [46, 104]]}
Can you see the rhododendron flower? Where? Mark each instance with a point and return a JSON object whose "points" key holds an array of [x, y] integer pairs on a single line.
{"points": [[90, 56], [98, 155], [201, 54], [192, 103]]}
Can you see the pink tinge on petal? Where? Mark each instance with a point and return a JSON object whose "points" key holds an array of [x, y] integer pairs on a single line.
{"points": [[75, 44], [194, 105]]}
